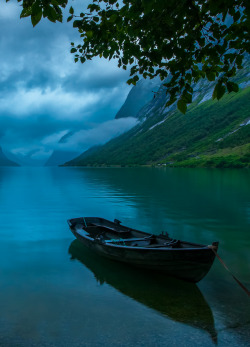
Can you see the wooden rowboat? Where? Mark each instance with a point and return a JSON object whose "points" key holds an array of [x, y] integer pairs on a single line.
{"points": [[186, 260]]}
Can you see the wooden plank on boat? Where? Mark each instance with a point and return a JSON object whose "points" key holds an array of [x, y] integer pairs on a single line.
{"points": [[129, 240], [116, 230]]}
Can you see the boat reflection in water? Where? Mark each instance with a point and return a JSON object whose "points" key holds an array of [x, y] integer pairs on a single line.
{"points": [[178, 300]]}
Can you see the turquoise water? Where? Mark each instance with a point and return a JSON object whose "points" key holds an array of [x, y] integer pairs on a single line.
{"points": [[54, 292]]}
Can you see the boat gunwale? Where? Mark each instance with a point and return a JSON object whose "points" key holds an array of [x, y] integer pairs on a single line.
{"points": [[162, 249]]}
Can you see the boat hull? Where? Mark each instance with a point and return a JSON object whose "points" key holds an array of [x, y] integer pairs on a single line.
{"points": [[190, 264]]}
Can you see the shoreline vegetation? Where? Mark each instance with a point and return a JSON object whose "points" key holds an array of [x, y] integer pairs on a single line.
{"points": [[236, 158], [205, 162], [230, 161]]}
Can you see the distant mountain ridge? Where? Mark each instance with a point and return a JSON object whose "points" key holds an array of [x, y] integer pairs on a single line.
{"points": [[59, 156], [211, 134], [4, 161], [24, 160]]}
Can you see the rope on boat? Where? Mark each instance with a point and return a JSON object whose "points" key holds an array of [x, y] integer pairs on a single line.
{"points": [[225, 266], [85, 222]]}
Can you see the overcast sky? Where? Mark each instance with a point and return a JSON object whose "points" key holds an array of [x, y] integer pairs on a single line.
{"points": [[44, 93]]}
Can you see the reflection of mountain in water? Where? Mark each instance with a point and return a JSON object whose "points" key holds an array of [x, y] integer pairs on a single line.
{"points": [[178, 300], [174, 187]]}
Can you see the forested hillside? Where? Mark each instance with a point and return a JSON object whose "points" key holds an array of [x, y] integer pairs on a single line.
{"points": [[211, 134]]}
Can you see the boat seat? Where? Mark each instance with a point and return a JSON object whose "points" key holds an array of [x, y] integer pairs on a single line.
{"points": [[172, 244], [112, 229], [134, 239]]}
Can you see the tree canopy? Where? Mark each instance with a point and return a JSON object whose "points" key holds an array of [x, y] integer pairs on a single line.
{"points": [[181, 42]]}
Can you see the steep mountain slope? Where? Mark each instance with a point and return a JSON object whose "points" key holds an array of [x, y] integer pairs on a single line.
{"points": [[59, 156], [138, 97], [211, 134], [4, 161]]}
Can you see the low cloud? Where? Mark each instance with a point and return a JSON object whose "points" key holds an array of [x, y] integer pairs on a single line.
{"points": [[43, 92], [98, 135], [76, 140]]}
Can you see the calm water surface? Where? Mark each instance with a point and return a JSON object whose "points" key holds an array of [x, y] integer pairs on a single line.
{"points": [[54, 292]]}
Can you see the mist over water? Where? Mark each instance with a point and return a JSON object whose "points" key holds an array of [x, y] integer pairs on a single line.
{"points": [[54, 292]]}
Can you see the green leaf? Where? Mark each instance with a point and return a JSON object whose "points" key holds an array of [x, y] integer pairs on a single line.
{"points": [[148, 5], [186, 97], [219, 91], [35, 19], [238, 60], [113, 18], [93, 7], [136, 78], [89, 34], [106, 54], [202, 41], [73, 50], [182, 106], [77, 23], [214, 96], [210, 76], [36, 13], [51, 13], [232, 87], [131, 81], [71, 10], [26, 12]]}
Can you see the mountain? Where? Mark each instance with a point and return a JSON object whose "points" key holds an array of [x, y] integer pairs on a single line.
{"points": [[211, 133], [138, 96], [4, 161], [24, 160], [60, 156]]}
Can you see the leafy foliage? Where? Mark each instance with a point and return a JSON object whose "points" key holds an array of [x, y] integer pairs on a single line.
{"points": [[36, 9], [181, 42]]}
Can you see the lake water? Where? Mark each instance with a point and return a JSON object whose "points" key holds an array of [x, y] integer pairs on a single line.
{"points": [[54, 292]]}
